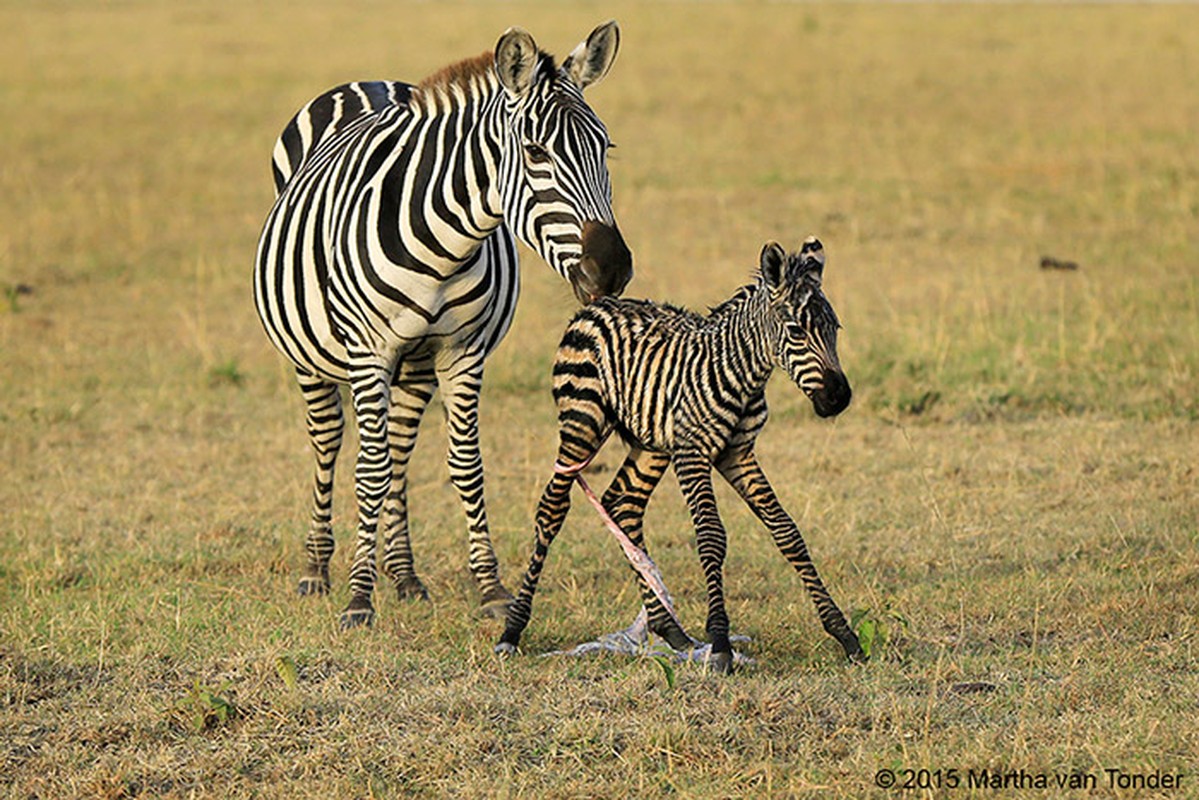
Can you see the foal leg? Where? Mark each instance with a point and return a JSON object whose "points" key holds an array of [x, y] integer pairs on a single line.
{"points": [[625, 500], [579, 444], [694, 471], [741, 469]]}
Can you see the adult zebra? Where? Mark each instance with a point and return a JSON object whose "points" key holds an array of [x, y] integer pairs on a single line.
{"points": [[389, 262]]}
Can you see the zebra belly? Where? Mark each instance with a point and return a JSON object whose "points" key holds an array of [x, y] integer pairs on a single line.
{"points": [[470, 311]]}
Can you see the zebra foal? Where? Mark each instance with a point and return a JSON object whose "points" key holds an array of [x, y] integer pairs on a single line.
{"points": [[690, 390]]}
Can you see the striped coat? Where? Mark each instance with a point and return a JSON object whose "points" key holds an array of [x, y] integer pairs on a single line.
{"points": [[690, 390], [389, 263]]}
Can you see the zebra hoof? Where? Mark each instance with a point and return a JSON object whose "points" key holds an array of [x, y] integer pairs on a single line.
{"points": [[411, 588], [721, 663], [853, 649], [358, 614], [496, 609], [312, 586], [505, 649], [496, 602], [677, 638]]}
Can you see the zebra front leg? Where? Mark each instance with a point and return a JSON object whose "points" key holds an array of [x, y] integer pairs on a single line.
{"points": [[370, 386], [461, 379], [325, 423], [694, 471], [625, 500], [411, 392], [743, 472]]}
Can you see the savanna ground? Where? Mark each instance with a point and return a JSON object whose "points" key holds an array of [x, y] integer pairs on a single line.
{"points": [[1011, 497]]}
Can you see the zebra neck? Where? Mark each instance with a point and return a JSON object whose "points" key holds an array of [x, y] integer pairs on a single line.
{"points": [[457, 142], [743, 338]]}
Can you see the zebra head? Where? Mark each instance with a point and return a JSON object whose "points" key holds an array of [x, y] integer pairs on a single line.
{"points": [[554, 183], [804, 326]]}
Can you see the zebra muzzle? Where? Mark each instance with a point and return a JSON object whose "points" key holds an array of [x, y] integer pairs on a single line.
{"points": [[833, 397], [606, 265]]}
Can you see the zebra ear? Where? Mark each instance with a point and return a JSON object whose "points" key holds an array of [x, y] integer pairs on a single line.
{"points": [[590, 61], [811, 260], [516, 61], [771, 263]]}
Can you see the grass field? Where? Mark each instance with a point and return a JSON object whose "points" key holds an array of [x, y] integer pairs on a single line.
{"points": [[1011, 498]]}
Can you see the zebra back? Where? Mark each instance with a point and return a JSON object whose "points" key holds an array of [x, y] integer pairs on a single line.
{"points": [[325, 116]]}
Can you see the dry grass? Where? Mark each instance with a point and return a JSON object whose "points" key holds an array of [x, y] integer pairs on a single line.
{"points": [[1015, 478]]}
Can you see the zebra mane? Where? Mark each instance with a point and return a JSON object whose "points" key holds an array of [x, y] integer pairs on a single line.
{"points": [[472, 76], [462, 73], [739, 297]]}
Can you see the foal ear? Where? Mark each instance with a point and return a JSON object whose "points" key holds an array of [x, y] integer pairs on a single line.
{"points": [[771, 263], [590, 61], [811, 259], [516, 61]]}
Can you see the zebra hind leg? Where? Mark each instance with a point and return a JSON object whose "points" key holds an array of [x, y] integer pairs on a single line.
{"points": [[625, 500], [410, 395], [579, 444], [326, 424]]}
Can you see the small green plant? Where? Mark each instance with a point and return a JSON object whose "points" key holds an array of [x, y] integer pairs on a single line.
{"points": [[914, 405], [226, 373], [13, 293], [204, 708], [285, 666], [875, 630], [667, 669]]}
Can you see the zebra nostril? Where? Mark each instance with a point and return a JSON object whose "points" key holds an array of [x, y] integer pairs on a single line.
{"points": [[584, 281], [607, 263], [834, 397]]}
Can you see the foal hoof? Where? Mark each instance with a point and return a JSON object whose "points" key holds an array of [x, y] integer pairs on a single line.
{"points": [[505, 649], [853, 650], [358, 613], [677, 638], [311, 586], [411, 588], [495, 603], [721, 663]]}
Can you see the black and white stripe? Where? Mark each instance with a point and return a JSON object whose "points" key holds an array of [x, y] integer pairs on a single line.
{"points": [[690, 390], [389, 262]]}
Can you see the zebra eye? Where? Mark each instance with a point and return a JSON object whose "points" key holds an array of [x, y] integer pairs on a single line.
{"points": [[795, 332], [536, 153]]}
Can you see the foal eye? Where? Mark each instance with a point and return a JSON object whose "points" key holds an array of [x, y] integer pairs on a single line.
{"points": [[536, 153], [796, 332]]}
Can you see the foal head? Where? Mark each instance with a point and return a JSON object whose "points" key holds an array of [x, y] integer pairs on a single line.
{"points": [[803, 326]]}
